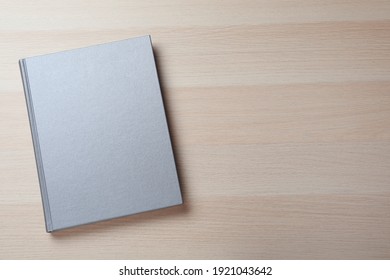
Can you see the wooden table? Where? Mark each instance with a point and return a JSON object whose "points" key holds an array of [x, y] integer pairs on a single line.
{"points": [[280, 118]]}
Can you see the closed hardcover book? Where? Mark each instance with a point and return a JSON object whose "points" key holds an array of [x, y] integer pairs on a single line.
{"points": [[100, 134]]}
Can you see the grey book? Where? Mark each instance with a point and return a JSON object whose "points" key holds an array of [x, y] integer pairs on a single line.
{"points": [[100, 134]]}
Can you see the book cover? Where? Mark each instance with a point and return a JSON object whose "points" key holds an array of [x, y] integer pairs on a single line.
{"points": [[100, 135]]}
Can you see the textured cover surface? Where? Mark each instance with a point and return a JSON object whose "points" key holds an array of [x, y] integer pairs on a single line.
{"points": [[100, 134]]}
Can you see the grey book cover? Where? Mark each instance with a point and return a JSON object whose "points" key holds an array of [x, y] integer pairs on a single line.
{"points": [[100, 134]]}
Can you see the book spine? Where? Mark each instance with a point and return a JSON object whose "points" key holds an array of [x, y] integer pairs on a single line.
{"points": [[37, 150]]}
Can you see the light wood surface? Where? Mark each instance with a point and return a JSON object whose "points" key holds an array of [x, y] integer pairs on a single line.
{"points": [[280, 118]]}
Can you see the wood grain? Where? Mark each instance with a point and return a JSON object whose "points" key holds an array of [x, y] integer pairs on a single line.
{"points": [[280, 118]]}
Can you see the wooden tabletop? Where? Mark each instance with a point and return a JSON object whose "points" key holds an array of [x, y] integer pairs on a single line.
{"points": [[280, 119]]}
